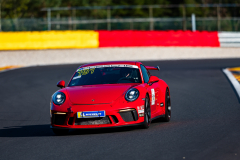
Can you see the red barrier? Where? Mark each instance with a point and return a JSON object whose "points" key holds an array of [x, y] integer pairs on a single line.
{"points": [[158, 38]]}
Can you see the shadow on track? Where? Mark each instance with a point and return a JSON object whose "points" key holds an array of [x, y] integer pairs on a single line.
{"points": [[44, 130], [26, 131], [103, 130]]}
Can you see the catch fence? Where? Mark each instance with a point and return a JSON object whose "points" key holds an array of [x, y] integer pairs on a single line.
{"points": [[55, 21], [40, 24]]}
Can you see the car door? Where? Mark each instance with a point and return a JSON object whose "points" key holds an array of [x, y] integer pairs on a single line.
{"points": [[150, 89], [156, 95]]}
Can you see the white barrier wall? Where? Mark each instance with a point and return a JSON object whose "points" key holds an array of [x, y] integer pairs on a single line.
{"points": [[229, 39]]}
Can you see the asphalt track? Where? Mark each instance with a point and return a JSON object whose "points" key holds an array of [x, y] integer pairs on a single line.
{"points": [[205, 117]]}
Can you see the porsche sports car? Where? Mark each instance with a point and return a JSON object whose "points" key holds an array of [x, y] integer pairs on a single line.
{"points": [[110, 94]]}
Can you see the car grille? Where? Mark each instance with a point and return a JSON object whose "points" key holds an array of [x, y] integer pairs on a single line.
{"points": [[129, 116], [114, 118], [70, 121], [92, 121], [58, 119]]}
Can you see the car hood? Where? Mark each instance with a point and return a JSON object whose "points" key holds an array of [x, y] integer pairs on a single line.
{"points": [[96, 94]]}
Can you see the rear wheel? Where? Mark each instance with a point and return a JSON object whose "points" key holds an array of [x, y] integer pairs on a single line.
{"points": [[167, 116], [60, 132], [147, 113]]}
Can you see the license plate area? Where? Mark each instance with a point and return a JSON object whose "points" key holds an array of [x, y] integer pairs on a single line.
{"points": [[91, 114]]}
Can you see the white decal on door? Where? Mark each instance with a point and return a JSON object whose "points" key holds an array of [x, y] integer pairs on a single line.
{"points": [[153, 96]]}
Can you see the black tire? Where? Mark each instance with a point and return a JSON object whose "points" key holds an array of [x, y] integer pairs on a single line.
{"points": [[60, 132], [167, 116], [147, 114]]}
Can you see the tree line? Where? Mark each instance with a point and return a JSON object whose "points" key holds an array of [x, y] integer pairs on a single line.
{"points": [[32, 8]]}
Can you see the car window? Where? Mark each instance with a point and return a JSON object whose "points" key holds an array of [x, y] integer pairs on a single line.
{"points": [[145, 74], [106, 75]]}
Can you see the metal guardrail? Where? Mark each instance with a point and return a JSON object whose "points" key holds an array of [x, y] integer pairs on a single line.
{"points": [[229, 39]]}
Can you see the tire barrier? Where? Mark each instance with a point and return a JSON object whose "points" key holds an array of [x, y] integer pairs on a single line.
{"points": [[48, 40], [158, 38]]}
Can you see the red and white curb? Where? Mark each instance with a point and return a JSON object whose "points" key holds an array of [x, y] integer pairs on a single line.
{"points": [[233, 80], [8, 68]]}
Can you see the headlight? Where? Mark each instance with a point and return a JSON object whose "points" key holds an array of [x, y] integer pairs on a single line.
{"points": [[58, 98], [132, 94]]}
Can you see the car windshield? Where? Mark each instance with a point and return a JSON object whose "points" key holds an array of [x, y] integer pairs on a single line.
{"points": [[106, 74]]}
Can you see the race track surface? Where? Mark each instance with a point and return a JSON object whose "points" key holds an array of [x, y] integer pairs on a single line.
{"points": [[205, 122]]}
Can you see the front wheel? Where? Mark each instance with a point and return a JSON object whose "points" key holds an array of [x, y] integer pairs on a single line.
{"points": [[60, 132], [147, 114], [167, 116]]}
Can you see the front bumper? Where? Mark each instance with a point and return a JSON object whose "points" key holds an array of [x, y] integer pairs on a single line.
{"points": [[115, 116]]}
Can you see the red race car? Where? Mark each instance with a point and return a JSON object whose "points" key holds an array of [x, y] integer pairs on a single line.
{"points": [[110, 94]]}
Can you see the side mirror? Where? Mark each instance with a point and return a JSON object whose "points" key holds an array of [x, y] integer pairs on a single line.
{"points": [[153, 79], [61, 84]]}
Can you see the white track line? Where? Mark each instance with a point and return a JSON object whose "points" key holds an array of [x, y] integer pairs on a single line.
{"points": [[233, 80]]}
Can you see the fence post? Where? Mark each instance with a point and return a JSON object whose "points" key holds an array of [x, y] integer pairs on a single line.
{"points": [[151, 18], [184, 18], [70, 23], [131, 25], [74, 18], [58, 19], [109, 18], [49, 19], [193, 22], [218, 18]]}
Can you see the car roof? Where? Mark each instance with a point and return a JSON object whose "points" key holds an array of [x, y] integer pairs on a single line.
{"points": [[111, 62]]}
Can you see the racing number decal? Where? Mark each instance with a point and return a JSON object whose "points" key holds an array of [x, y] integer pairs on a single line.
{"points": [[86, 71], [92, 70], [153, 96]]}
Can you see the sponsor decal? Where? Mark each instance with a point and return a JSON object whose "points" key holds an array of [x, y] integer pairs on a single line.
{"points": [[103, 66], [140, 110], [153, 96], [79, 114], [91, 114], [90, 70], [141, 114], [85, 71]]}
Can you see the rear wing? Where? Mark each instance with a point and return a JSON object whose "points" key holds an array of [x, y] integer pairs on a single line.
{"points": [[152, 68]]}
